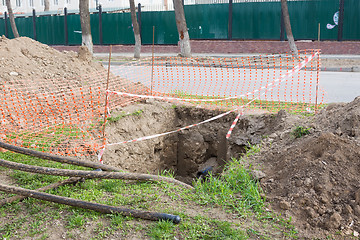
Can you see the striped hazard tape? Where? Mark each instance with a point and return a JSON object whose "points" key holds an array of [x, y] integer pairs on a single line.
{"points": [[266, 87], [174, 131], [240, 108], [181, 99]]}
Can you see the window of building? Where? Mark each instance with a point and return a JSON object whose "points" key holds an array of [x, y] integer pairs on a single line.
{"points": [[18, 3], [31, 3], [3, 2], [42, 2], [68, 1], [56, 2]]}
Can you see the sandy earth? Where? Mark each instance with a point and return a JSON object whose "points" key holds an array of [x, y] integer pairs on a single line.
{"points": [[314, 179], [25, 58]]}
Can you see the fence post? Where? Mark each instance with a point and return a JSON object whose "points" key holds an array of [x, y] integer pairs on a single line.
{"points": [[341, 21], [66, 27], [230, 20], [100, 26], [34, 24], [6, 26], [282, 27], [139, 19]]}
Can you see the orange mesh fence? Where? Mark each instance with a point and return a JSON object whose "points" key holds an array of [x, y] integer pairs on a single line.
{"points": [[234, 79], [61, 116], [65, 116]]}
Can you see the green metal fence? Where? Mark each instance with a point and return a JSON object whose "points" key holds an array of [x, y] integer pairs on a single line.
{"points": [[305, 18], [207, 21], [351, 20], [165, 27], [49, 29], [247, 20], [256, 20]]}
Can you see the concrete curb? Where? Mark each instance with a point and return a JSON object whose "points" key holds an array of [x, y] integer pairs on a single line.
{"points": [[327, 69]]}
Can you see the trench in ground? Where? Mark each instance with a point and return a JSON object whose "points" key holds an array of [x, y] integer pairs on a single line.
{"points": [[188, 151]]}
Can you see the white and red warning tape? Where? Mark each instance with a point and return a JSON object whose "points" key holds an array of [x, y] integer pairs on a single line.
{"points": [[266, 87], [282, 78]]}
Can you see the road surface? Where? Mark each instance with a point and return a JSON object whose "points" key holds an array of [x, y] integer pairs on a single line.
{"points": [[210, 81]]}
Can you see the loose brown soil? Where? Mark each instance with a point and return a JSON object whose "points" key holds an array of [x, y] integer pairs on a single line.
{"points": [[314, 179], [24, 58]]}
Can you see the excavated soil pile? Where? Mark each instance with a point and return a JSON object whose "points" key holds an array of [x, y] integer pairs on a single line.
{"points": [[42, 88], [25, 58], [315, 179]]}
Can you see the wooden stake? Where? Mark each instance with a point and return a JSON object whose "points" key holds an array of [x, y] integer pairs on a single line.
{"points": [[106, 99], [152, 65]]}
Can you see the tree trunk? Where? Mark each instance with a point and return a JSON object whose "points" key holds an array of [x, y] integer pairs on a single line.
{"points": [[136, 30], [85, 25], [46, 5], [184, 40], [290, 37], [12, 19]]}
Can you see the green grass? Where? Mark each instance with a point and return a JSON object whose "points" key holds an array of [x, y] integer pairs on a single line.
{"points": [[306, 109], [51, 137], [234, 192], [114, 119], [235, 189], [300, 131]]}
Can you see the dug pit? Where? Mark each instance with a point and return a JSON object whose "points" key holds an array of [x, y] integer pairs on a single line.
{"points": [[185, 152]]}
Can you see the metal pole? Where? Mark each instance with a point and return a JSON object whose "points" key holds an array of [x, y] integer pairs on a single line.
{"points": [[34, 24], [100, 25], [341, 21], [139, 19], [66, 27], [230, 20], [319, 33], [152, 65], [6, 26]]}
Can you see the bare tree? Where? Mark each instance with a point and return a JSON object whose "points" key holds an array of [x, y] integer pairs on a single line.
{"points": [[136, 29], [46, 5], [286, 17], [12, 19], [184, 39], [85, 24]]}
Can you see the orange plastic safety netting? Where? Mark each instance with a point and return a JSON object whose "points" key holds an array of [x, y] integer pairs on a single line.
{"points": [[227, 82], [66, 116]]}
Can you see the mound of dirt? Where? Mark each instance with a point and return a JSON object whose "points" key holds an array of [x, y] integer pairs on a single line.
{"points": [[315, 179], [25, 58], [341, 119]]}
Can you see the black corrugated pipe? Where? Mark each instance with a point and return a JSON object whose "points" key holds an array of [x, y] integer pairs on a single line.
{"points": [[84, 174], [154, 216], [55, 158], [89, 174]]}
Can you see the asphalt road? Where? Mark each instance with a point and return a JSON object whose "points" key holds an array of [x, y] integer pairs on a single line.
{"points": [[340, 86], [208, 81]]}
